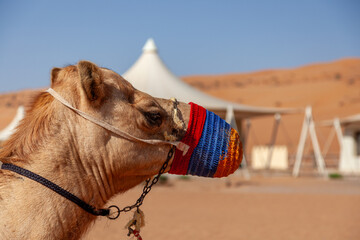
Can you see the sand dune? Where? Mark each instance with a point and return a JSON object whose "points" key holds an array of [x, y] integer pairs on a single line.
{"points": [[331, 88]]}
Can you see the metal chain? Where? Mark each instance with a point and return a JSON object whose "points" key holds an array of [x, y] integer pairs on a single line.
{"points": [[146, 189]]}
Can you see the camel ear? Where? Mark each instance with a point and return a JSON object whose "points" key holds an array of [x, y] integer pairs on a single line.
{"points": [[54, 75], [91, 81]]}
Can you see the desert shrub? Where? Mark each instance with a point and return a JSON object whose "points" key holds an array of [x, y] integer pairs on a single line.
{"points": [[335, 176]]}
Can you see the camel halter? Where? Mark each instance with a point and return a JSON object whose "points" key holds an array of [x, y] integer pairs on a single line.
{"points": [[179, 145]]}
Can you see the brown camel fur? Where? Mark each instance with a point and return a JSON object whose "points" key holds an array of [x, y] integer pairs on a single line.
{"points": [[78, 155]]}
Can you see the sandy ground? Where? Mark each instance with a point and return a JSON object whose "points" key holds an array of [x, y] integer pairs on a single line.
{"points": [[261, 208]]}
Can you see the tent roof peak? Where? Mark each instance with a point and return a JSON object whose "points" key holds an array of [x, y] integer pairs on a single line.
{"points": [[150, 46]]}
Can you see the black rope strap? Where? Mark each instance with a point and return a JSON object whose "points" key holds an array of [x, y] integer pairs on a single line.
{"points": [[88, 208], [26, 173]]}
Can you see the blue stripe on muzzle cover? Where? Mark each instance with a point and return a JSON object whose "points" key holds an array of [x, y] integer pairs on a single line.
{"points": [[212, 147]]}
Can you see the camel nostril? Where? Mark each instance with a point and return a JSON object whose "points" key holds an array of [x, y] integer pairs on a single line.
{"points": [[178, 133], [174, 131]]}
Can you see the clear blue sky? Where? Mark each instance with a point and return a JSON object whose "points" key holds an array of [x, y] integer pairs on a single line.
{"points": [[193, 37]]}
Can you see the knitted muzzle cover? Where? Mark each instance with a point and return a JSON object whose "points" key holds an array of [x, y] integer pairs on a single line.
{"points": [[215, 148]]}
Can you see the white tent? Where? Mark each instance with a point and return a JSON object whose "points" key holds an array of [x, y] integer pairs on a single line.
{"points": [[149, 74], [6, 132], [349, 141]]}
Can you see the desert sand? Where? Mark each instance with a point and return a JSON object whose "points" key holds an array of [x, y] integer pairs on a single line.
{"points": [[262, 208]]}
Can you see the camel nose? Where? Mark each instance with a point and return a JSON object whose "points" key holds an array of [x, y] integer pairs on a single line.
{"points": [[215, 147]]}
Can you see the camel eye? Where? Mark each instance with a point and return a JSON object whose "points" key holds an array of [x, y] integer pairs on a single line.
{"points": [[154, 118]]}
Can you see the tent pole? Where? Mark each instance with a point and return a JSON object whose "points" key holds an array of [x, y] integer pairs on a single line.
{"points": [[248, 126], [338, 131], [328, 142], [318, 157], [244, 164], [301, 145], [230, 117], [273, 139]]}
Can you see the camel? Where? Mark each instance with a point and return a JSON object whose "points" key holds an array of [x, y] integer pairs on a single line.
{"points": [[91, 162]]}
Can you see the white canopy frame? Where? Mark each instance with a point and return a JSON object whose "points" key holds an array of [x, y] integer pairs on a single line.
{"points": [[309, 128]]}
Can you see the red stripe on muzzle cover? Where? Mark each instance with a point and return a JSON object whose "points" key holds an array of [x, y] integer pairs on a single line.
{"points": [[193, 134]]}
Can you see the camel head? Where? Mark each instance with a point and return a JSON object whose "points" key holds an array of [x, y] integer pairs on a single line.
{"points": [[108, 97]]}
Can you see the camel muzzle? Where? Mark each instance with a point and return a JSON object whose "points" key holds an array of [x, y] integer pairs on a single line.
{"points": [[214, 150]]}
